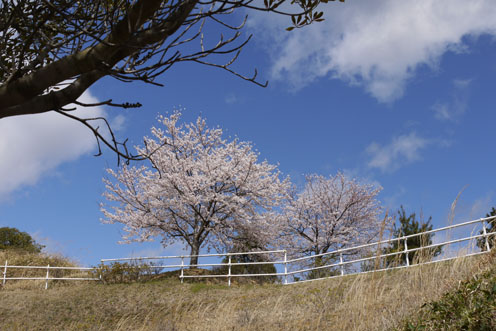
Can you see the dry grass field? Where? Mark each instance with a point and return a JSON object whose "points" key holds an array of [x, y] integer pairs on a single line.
{"points": [[374, 301]]}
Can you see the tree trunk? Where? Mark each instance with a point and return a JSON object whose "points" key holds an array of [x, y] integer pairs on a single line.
{"points": [[195, 250], [25, 95], [317, 260]]}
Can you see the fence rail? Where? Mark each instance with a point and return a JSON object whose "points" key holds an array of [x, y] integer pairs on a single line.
{"points": [[341, 264], [338, 254], [47, 277], [341, 268], [229, 264]]}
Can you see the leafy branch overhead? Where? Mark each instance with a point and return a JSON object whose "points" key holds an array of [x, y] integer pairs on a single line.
{"points": [[308, 16], [53, 51]]}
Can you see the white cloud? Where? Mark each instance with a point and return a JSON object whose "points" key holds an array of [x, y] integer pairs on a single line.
{"points": [[441, 111], [52, 246], [462, 83], [393, 201], [375, 44], [482, 206], [230, 99], [467, 210], [361, 176], [457, 106], [33, 145], [402, 150], [118, 123]]}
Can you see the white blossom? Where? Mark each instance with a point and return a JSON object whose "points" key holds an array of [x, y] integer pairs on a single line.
{"points": [[200, 189], [328, 214]]}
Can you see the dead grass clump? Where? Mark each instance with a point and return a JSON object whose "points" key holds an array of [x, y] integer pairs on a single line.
{"points": [[23, 258], [19, 257]]}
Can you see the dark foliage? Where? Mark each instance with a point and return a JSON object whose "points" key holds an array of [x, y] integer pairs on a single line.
{"points": [[246, 243], [405, 226], [12, 238], [490, 228]]}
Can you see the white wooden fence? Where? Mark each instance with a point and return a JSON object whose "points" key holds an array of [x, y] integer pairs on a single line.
{"points": [[229, 264], [347, 257], [47, 277], [376, 247]]}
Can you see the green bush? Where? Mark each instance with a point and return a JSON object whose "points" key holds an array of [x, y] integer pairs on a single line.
{"points": [[472, 306], [123, 272], [248, 269], [12, 238], [490, 228]]}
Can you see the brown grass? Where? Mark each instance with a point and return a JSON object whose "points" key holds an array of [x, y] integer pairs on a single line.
{"points": [[375, 301], [19, 257], [22, 258]]}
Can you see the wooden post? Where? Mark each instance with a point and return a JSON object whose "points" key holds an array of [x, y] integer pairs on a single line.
{"points": [[46, 281], [406, 253], [229, 271], [285, 267], [341, 263], [182, 269], [4, 274], [488, 248]]}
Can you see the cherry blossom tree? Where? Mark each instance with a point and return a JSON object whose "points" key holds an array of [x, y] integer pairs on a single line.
{"points": [[200, 189], [328, 214]]}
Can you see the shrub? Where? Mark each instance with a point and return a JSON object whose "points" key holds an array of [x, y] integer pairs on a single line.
{"points": [[248, 269], [323, 272], [490, 228], [470, 306], [12, 238], [123, 272]]}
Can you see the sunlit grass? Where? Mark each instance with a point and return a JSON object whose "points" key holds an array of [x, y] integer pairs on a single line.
{"points": [[374, 301]]}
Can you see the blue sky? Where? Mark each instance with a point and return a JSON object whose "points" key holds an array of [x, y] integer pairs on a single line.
{"points": [[400, 94]]}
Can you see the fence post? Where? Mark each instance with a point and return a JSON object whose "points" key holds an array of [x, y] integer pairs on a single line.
{"points": [[182, 269], [341, 263], [229, 271], [46, 281], [406, 253], [100, 267], [485, 236], [285, 267], [4, 274]]}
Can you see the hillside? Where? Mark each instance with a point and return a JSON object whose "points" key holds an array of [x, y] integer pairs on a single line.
{"points": [[367, 302], [471, 305]]}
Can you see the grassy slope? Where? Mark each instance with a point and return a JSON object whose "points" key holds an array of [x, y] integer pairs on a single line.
{"points": [[469, 306], [366, 302]]}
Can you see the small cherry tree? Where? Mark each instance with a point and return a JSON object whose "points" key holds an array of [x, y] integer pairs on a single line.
{"points": [[328, 214], [200, 189]]}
